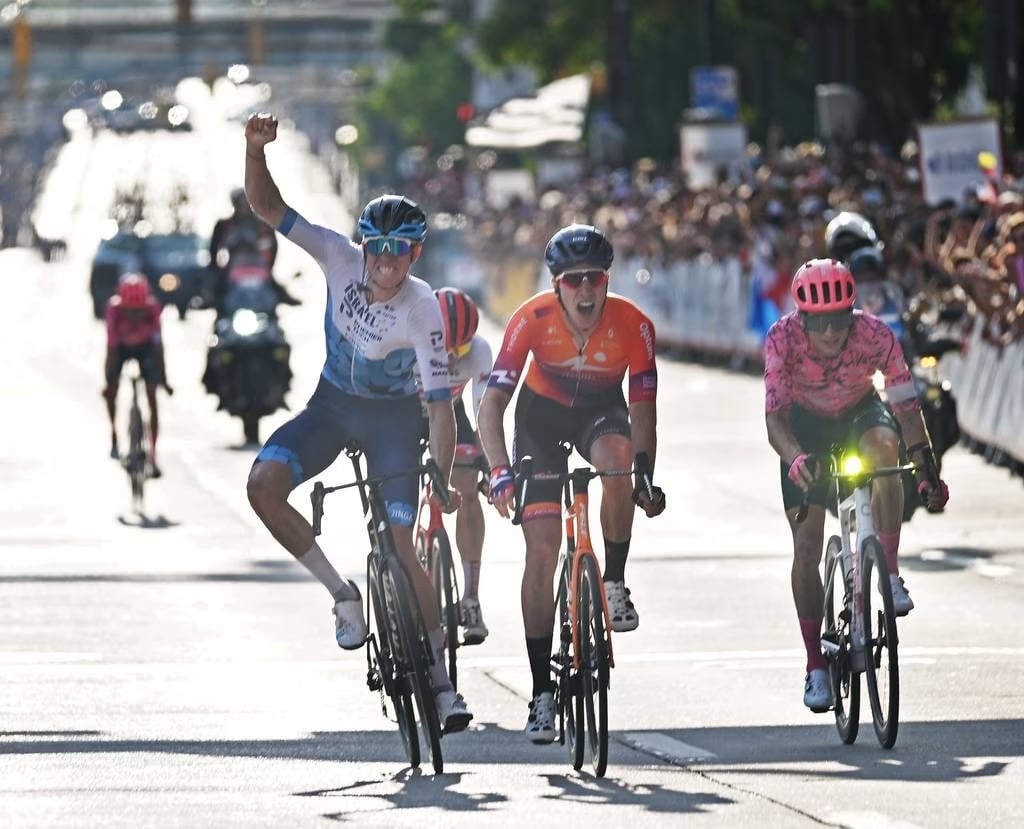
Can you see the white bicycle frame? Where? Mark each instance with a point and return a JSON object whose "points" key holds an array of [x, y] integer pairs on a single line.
{"points": [[857, 521]]}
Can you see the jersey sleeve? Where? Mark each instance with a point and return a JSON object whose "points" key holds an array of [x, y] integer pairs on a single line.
{"points": [[900, 389], [778, 386], [426, 332], [515, 348], [643, 373], [328, 247], [483, 360]]}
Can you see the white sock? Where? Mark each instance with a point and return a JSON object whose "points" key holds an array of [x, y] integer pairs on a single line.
{"points": [[323, 571], [438, 671]]}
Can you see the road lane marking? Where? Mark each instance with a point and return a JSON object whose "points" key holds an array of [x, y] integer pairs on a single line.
{"points": [[665, 747]]}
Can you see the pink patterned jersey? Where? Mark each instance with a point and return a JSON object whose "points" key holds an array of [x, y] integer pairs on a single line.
{"points": [[125, 328], [794, 373]]}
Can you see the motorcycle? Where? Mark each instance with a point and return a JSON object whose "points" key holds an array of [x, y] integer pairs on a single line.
{"points": [[247, 360]]}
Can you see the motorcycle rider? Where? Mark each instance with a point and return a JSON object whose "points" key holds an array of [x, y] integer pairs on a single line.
{"points": [[243, 247]]}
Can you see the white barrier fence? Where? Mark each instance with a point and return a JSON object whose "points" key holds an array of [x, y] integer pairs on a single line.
{"points": [[988, 384], [703, 305]]}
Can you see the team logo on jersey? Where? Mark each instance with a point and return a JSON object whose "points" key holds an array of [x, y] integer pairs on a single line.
{"points": [[437, 339], [648, 337]]}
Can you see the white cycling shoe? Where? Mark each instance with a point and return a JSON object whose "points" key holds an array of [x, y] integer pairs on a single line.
{"points": [[474, 631], [349, 623], [540, 727], [818, 690], [451, 711], [620, 607], [902, 604]]}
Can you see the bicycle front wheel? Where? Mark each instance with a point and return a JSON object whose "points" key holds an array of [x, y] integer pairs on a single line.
{"points": [[880, 641], [136, 462], [837, 643], [382, 661], [412, 658], [594, 673], [447, 599], [570, 699]]}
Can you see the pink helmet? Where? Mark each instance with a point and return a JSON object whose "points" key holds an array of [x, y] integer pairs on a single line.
{"points": [[822, 286], [133, 289]]}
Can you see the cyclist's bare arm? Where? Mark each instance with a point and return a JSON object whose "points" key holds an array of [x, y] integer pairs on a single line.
{"points": [[780, 436], [260, 189], [491, 426], [643, 421], [912, 425], [441, 419]]}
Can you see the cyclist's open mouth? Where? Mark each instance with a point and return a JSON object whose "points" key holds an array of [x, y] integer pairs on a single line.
{"points": [[585, 308]]}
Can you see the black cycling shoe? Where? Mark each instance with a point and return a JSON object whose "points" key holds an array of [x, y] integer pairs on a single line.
{"points": [[154, 471]]}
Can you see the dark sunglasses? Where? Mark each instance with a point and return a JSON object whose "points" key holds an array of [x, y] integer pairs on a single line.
{"points": [[839, 320], [575, 278], [379, 245]]}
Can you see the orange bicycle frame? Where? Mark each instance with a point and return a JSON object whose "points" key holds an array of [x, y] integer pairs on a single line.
{"points": [[578, 545]]}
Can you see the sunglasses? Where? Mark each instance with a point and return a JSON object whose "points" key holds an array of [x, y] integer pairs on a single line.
{"points": [[461, 350], [839, 320], [379, 245], [575, 278]]}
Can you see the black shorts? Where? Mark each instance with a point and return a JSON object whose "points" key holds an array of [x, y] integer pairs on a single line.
{"points": [[542, 425], [817, 433], [144, 355]]}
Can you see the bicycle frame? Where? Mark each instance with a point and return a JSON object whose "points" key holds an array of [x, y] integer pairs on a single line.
{"points": [[577, 546]]}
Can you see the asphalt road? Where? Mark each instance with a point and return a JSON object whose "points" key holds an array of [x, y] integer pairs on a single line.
{"points": [[178, 669]]}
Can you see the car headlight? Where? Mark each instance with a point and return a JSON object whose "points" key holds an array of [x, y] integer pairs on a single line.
{"points": [[169, 283]]}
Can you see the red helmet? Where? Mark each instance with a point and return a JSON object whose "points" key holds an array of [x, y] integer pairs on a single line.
{"points": [[133, 289], [460, 316], [823, 285]]}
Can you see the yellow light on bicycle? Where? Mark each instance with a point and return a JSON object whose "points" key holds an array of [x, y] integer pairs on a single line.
{"points": [[852, 465], [929, 362]]}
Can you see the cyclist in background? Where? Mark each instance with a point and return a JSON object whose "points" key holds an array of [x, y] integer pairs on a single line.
{"points": [[846, 232], [381, 322], [583, 341], [819, 363], [133, 333], [469, 360]]}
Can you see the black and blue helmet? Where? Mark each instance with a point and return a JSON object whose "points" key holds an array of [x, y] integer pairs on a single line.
{"points": [[578, 246], [392, 215]]}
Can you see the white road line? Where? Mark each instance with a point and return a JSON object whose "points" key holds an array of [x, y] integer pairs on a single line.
{"points": [[870, 820], [665, 747]]}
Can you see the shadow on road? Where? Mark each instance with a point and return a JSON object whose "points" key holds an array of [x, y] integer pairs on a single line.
{"points": [[927, 752], [145, 522], [262, 572]]}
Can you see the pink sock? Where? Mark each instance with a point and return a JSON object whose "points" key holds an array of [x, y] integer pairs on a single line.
{"points": [[890, 545], [810, 629]]}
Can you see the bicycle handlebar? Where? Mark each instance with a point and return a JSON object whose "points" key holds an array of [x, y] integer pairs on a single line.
{"points": [[858, 479], [430, 468]]}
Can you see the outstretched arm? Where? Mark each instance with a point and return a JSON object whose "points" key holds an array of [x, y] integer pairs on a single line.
{"points": [[260, 189]]}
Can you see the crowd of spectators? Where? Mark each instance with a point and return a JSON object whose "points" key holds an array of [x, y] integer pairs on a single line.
{"points": [[772, 214]]}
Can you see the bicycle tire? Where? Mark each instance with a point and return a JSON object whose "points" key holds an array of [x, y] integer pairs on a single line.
{"points": [[570, 704], [136, 464], [447, 601], [881, 640], [594, 673], [412, 660], [845, 681], [396, 688]]}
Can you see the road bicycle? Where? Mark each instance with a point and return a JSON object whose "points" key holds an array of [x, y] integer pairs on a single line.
{"points": [[398, 652], [434, 551], [584, 659], [860, 626], [136, 460]]}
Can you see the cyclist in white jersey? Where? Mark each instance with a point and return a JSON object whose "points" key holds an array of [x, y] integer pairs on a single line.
{"points": [[469, 361], [380, 323]]}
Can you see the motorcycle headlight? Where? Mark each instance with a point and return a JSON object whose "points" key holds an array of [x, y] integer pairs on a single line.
{"points": [[245, 323]]}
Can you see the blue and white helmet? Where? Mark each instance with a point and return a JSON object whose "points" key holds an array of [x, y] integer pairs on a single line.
{"points": [[392, 215]]}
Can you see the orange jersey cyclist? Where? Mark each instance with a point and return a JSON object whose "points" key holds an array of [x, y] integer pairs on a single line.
{"points": [[819, 365], [584, 341]]}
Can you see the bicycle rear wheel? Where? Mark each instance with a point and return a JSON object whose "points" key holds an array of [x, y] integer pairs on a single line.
{"points": [[882, 665], [412, 658], [837, 643], [447, 598], [594, 673], [570, 700], [382, 660]]}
